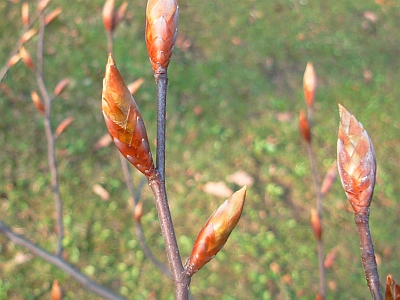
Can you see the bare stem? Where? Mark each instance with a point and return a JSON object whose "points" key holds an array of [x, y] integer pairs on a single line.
{"points": [[57, 261], [162, 84], [320, 244], [367, 254], [181, 281], [49, 137]]}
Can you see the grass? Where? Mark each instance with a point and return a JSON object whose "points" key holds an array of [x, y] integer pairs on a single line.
{"points": [[243, 69]]}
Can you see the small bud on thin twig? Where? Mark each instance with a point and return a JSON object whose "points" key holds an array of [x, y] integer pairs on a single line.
{"points": [[316, 224], [138, 211], [37, 101], [134, 86], [329, 178], [56, 293], [60, 87], [108, 15], [26, 58], [304, 127], [309, 84], [25, 14], [52, 16], [13, 60], [28, 34], [63, 126]]}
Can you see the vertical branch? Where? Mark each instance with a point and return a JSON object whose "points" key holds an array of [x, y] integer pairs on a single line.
{"points": [[367, 254], [49, 135], [162, 84]]}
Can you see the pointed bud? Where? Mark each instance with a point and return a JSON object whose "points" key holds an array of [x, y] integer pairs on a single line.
{"points": [[392, 289], [215, 232], [37, 101], [43, 4], [108, 15], [138, 211], [124, 121], [103, 142], [304, 127], [161, 32], [63, 126], [120, 14], [330, 258], [329, 179], [28, 34], [356, 161], [134, 86], [56, 293], [13, 60], [25, 14], [52, 16], [26, 58], [60, 87], [309, 84], [316, 224]]}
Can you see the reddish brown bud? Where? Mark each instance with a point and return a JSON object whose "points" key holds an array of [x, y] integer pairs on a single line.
{"points": [[392, 289], [309, 84], [26, 58], [120, 14], [124, 121], [316, 224], [329, 179], [356, 161], [215, 232], [37, 101], [304, 127], [28, 34], [60, 87], [25, 14], [52, 16], [63, 126], [330, 258], [43, 4], [134, 86], [56, 293], [108, 15], [161, 32], [13, 60], [138, 211]]}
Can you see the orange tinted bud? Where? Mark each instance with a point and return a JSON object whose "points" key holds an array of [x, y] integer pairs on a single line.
{"points": [[52, 16], [108, 15], [330, 258], [43, 4], [124, 121], [13, 60], [329, 178], [309, 84], [134, 86], [26, 58], [60, 87], [304, 127], [138, 212], [27, 35], [215, 232], [63, 126], [25, 14], [37, 101], [316, 224], [356, 161], [161, 32], [120, 14], [56, 293], [392, 289]]}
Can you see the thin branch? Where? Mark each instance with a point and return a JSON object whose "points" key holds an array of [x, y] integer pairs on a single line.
{"points": [[181, 281], [86, 282], [367, 254], [162, 84]]}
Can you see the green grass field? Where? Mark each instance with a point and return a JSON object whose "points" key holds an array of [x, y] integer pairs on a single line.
{"points": [[235, 92]]}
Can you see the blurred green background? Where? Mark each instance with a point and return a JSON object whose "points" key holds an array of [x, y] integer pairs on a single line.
{"points": [[235, 92]]}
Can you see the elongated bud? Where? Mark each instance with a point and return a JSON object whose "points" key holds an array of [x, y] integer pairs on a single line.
{"points": [[138, 211], [37, 101], [26, 58], [120, 14], [108, 15], [392, 289], [356, 161], [309, 84], [330, 258], [316, 224], [63, 126], [215, 232], [304, 127], [161, 32], [329, 179], [28, 34], [43, 4], [25, 14], [52, 16], [134, 86], [13, 60], [56, 293], [60, 87], [124, 121]]}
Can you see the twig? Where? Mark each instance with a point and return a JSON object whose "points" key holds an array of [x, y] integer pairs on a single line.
{"points": [[367, 254], [162, 84], [49, 136], [181, 281], [86, 282]]}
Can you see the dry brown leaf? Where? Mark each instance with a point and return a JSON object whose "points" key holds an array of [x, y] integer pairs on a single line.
{"points": [[240, 178], [219, 189]]}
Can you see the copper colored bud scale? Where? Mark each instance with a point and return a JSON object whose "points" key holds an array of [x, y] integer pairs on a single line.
{"points": [[124, 121]]}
